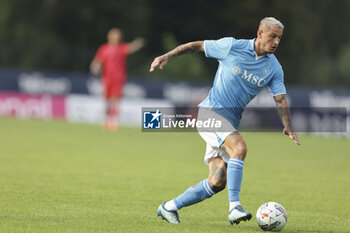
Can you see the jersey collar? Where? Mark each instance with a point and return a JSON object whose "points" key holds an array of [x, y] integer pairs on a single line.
{"points": [[251, 48]]}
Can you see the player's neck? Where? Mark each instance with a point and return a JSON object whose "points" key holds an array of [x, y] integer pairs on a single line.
{"points": [[258, 50], [114, 44]]}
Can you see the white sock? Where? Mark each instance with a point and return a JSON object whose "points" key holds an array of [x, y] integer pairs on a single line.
{"points": [[170, 205], [233, 204]]}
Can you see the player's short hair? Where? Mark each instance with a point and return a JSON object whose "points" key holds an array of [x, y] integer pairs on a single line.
{"points": [[271, 22]]}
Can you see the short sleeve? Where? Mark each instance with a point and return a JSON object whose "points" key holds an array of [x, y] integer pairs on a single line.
{"points": [[125, 49], [276, 85], [99, 54], [218, 49]]}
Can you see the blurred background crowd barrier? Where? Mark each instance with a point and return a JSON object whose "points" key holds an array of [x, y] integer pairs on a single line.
{"points": [[37, 36]]}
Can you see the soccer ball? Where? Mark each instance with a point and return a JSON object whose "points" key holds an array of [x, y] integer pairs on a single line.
{"points": [[271, 216]]}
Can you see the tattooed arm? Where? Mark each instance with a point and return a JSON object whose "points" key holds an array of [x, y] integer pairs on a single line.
{"points": [[284, 114], [190, 47]]}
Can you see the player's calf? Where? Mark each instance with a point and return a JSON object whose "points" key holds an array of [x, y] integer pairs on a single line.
{"points": [[217, 185], [217, 174]]}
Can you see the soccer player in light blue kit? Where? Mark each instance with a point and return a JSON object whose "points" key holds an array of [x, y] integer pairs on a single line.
{"points": [[245, 68]]}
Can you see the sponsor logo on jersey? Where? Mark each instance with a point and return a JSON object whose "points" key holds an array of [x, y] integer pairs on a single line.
{"points": [[253, 79]]}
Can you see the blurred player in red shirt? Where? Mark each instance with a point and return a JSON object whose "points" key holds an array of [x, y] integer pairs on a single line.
{"points": [[111, 58]]}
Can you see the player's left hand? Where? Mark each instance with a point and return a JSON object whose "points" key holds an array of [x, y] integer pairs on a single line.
{"points": [[291, 134], [159, 62]]}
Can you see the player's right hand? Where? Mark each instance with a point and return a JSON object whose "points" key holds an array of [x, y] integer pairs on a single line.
{"points": [[160, 61], [289, 132]]}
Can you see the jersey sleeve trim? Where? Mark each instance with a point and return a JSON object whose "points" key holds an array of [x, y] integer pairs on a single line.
{"points": [[282, 93], [205, 48]]}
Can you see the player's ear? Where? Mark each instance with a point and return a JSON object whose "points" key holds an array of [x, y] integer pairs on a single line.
{"points": [[259, 33]]}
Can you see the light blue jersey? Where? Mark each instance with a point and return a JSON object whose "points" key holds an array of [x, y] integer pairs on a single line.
{"points": [[241, 75]]}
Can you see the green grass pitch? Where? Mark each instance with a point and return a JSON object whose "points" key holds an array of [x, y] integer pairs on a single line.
{"points": [[61, 177]]}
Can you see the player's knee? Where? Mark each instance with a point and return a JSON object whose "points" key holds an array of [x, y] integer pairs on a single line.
{"points": [[241, 151], [235, 146]]}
